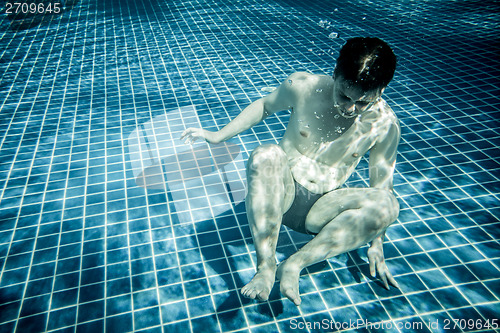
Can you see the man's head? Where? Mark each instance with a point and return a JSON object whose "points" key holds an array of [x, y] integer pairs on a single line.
{"points": [[364, 68], [367, 62]]}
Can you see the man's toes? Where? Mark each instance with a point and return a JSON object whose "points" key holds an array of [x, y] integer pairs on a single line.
{"points": [[247, 292], [263, 295], [250, 293], [254, 293], [292, 295]]}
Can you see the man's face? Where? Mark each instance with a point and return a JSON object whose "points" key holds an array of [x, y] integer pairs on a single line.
{"points": [[351, 100]]}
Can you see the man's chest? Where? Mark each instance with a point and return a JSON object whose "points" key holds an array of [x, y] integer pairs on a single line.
{"points": [[330, 139]]}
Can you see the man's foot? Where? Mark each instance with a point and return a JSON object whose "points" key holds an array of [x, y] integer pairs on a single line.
{"points": [[261, 284], [289, 274]]}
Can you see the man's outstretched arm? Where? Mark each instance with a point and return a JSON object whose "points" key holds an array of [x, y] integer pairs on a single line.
{"points": [[280, 99]]}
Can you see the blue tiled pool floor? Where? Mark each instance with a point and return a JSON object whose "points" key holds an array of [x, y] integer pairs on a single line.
{"points": [[94, 98]]}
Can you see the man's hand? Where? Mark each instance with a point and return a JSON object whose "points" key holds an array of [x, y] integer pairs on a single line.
{"points": [[377, 260], [192, 134]]}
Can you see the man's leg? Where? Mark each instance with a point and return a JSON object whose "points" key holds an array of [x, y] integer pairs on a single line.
{"points": [[270, 193], [344, 219]]}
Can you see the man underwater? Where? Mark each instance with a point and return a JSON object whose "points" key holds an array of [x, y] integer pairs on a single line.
{"points": [[334, 121]]}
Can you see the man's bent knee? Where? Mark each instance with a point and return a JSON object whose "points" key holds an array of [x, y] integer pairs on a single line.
{"points": [[392, 205], [387, 204], [267, 161], [269, 179], [379, 205], [266, 155]]}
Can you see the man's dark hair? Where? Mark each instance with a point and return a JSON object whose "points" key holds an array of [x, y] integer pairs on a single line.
{"points": [[366, 61]]}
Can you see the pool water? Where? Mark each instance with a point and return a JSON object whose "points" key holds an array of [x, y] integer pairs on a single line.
{"points": [[109, 222]]}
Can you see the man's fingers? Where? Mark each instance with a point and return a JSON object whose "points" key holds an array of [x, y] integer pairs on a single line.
{"points": [[393, 281], [186, 132], [386, 276], [191, 139], [382, 274], [372, 267], [377, 263], [190, 135], [384, 281]]}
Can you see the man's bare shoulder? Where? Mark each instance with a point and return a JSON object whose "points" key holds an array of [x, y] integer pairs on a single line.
{"points": [[388, 127], [305, 80], [292, 90], [389, 113], [382, 113]]}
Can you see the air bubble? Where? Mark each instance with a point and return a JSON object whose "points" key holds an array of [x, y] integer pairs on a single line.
{"points": [[319, 90], [337, 116], [333, 35], [290, 82], [325, 24]]}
